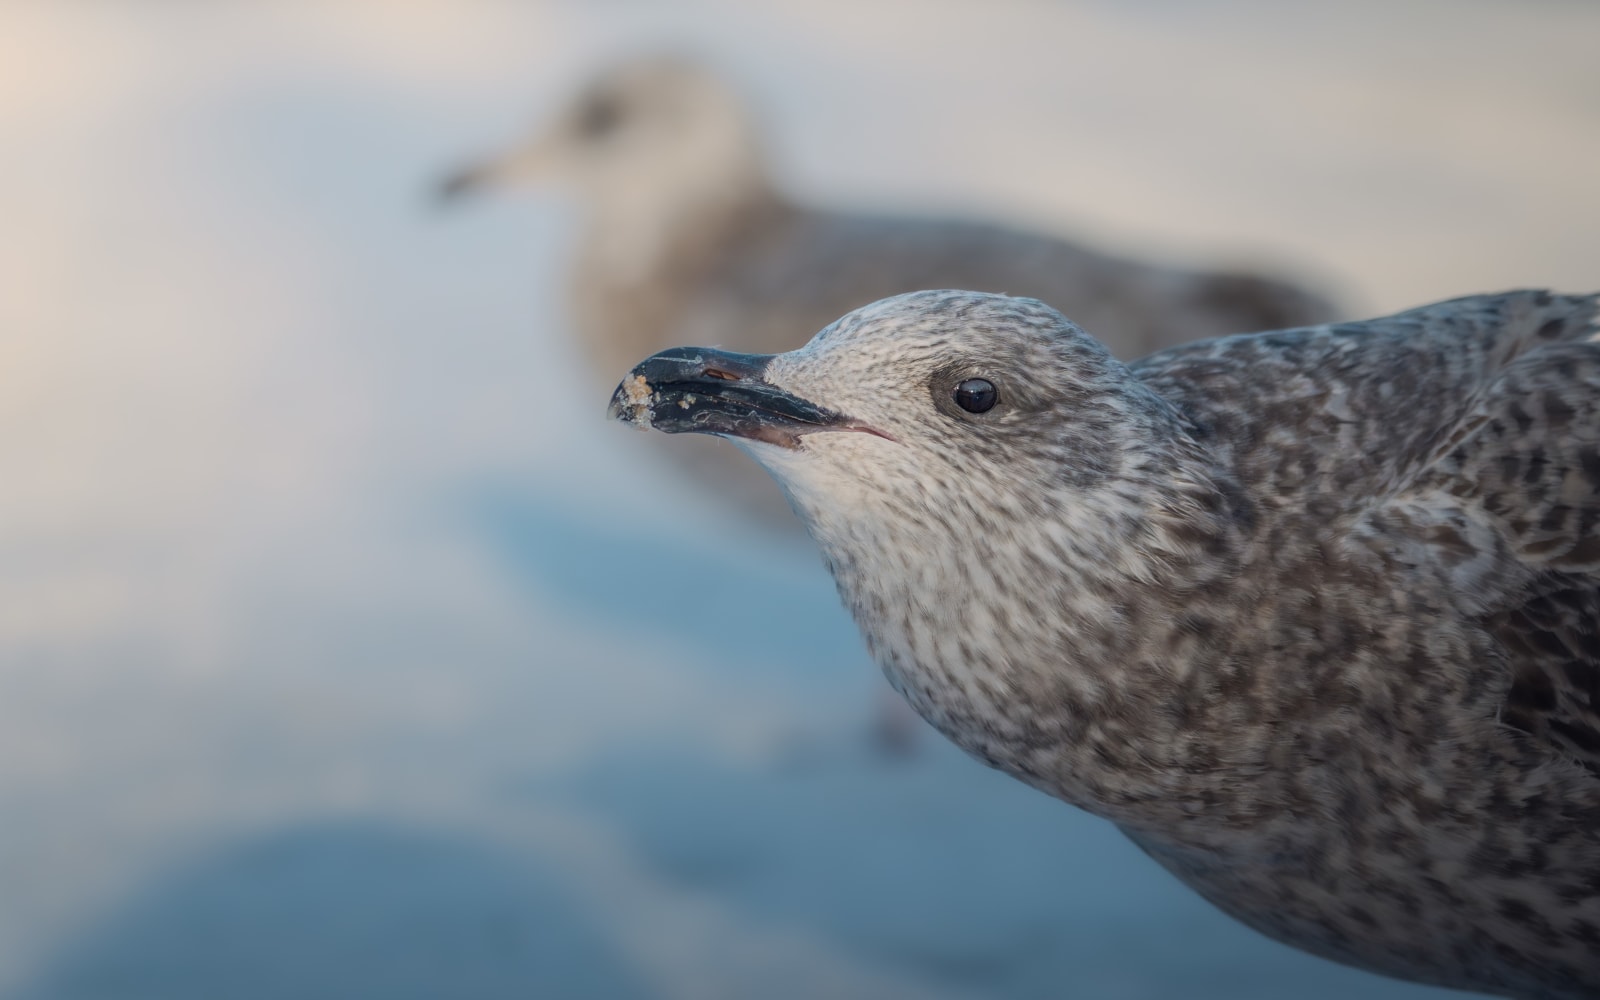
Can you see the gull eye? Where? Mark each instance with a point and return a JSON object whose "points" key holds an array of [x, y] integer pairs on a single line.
{"points": [[600, 116], [977, 395]]}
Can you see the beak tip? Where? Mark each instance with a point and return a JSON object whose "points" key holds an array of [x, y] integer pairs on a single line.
{"points": [[631, 402], [454, 187]]}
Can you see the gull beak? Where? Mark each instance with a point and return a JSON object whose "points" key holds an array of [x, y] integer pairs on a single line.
{"points": [[694, 390], [528, 162]]}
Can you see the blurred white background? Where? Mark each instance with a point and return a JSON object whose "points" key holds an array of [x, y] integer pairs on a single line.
{"points": [[346, 651]]}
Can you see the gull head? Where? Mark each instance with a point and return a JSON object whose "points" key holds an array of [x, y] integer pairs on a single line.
{"points": [[653, 128], [923, 415], [989, 487]]}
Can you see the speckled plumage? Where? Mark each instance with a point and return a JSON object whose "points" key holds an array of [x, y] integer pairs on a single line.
{"points": [[1313, 615], [687, 239]]}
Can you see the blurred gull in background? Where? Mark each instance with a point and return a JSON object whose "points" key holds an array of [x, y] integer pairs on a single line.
{"points": [[690, 240]]}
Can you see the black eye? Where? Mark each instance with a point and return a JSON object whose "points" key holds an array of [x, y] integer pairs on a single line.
{"points": [[599, 116], [977, 395]]}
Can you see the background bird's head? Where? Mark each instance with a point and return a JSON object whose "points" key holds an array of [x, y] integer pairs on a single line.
{"points": [[657, 130]]}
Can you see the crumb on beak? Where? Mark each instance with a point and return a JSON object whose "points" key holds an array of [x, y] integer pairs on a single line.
{"points": [[638, 395]]}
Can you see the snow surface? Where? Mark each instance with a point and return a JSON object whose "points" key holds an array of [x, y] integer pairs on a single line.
{"points": [[346, 651]]}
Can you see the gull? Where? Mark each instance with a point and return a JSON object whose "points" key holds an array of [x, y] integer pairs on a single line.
{"points": [[1312, 615]]}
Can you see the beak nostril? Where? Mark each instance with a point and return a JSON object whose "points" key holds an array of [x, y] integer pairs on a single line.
{"points": [[719, 373]]}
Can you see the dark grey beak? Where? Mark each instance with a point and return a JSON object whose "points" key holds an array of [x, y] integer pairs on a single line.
{"points": [[694, 390], [455, 186], [531, 160]]}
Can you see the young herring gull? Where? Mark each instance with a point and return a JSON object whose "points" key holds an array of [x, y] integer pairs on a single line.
{"points": [[1312, 615], [688, 240]]}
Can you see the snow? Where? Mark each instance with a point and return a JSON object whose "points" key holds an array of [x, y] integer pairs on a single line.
{"points": [[316, 675]]}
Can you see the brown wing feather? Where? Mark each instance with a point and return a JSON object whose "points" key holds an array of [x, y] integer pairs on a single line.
{"points": [[1552, 641], [1341, 416], [1532, 462]]}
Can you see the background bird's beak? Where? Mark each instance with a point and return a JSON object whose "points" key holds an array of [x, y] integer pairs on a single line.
{"points": [[692, 390], [528, 162]]}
